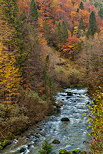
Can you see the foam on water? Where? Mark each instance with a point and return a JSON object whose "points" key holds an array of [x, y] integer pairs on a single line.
{"points": [[70, 134]]}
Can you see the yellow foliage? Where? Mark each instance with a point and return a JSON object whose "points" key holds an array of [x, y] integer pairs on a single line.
{"points": [[97, 122], [54, 3], [9, 75]]}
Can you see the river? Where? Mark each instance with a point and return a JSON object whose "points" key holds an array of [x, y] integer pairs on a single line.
{"points": [[73, 134]]}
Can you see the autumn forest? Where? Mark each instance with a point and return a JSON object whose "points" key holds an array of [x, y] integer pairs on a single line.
{"points": [[45, 47]]}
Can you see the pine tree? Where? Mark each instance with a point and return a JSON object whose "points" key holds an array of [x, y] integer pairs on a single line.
{"points": [[81, 24], [81, 6], [100, 13], [59, 33], [47, 31], [16, 22], [65, 31], [92, 24], [33, 10], [62, 32]]}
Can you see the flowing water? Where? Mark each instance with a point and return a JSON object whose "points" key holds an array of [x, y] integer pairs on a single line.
{"points": [[73, 134]]}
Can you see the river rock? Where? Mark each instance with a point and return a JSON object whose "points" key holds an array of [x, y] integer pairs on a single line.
{"points": [[63, 95], [56, 141], [64, 152], [69, 93], [4, 143], [83, 152], [22, 150], [65, 119], [76, 151], [59, 105], [67, 97]]}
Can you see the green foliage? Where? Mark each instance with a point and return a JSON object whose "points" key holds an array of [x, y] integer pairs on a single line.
{"points": [[33, 10], [56, 141], [81, 6], [81, 24], [4, 143], [48, 81], [92, 24], [64, 152], [33, 95], [12, 119], [81, 28], [10, 10], [16, 21], [62, 32], [47, 32], [100, 12], [96, 4], [46, 148]]}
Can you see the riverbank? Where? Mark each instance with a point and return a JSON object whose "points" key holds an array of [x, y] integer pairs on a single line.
{"points": [[17, 119], [71, 135]]}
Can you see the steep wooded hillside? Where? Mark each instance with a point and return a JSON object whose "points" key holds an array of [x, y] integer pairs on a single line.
{"points": [[46, 45]]}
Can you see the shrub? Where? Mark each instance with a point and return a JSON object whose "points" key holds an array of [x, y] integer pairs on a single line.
{"points": [[46, 148]]}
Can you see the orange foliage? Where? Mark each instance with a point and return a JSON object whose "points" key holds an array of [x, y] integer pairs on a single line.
{"points": [[24, 6], [71, 45]]}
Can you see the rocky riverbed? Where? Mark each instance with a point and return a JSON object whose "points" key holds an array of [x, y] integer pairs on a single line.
{"points": [[67, 128]]}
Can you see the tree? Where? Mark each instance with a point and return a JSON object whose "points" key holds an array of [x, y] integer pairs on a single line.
{"points": [[47, 31], [62, 32], [9, 75], [71, 47], [16, 22], [46, 148], [81, 24], [100, 13], [33, 10], [81, 6], [92, 24], [65, 31]]}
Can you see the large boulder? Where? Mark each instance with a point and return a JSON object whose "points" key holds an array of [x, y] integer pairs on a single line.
{"points": [[76, 152], [23, 149], [65, 119], [69, 93]]}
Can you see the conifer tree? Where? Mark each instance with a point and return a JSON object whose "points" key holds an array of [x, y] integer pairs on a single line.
{"points": [[81, 24], [92, 24], [81, 6], [16, 21], [62, 32], [100, 12], [65, 31], [59, 33], [47, 31], [33, 10]]}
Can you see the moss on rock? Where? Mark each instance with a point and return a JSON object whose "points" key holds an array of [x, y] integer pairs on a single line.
{"points": [[4, 143], [56, 142], [64, 152]]}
